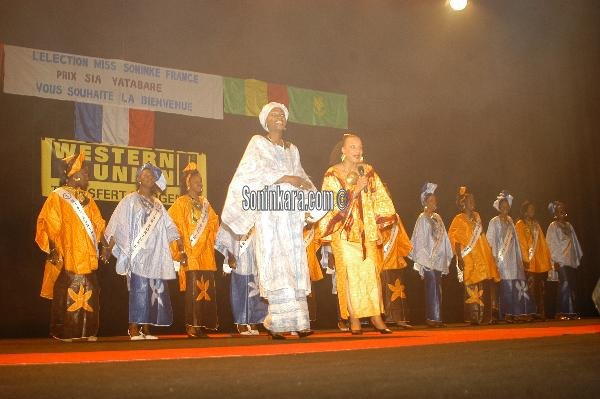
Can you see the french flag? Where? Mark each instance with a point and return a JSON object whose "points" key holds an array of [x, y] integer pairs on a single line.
{"points": [[114, 125]]}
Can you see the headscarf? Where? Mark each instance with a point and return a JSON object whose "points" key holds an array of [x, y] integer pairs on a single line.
{"points": [[159, 176], [463, 192], [266, 110], [427, 189], [504, 195], [73, 163], [553, 206], [190, 169]]}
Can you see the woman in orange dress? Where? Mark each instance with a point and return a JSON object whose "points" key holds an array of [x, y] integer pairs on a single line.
{"points": [[477, 268], [69, 228], [197, 223], [536, 255]]}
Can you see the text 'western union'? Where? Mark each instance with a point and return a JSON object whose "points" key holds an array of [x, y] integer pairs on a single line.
{"points": [[118, 164]]}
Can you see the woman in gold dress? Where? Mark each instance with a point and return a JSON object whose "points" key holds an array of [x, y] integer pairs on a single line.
{"points": [[363, 208]]}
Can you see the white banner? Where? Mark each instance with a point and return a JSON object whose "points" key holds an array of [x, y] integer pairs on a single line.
{"points": [[61, 76]]}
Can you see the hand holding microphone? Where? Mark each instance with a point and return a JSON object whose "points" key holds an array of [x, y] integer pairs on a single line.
{"points": [[362, 181]]}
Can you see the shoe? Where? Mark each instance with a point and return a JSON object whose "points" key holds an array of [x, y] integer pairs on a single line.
{"points": [[404, 325], [384, 330], [434, 324], [305, 333], [246, 331], [146, 332], [135, 333], [275, 335], [293, 333], [191, 332], [92, 339], [343, 326], [356, 332], [254, 332]]}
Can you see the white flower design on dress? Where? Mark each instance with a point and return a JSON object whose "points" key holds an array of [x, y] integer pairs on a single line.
{"points": [[157, 289], [522, 288], [253, 289]]}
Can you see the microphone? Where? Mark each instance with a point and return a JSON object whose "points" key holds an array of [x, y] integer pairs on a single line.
{"points": [[361, 171]]}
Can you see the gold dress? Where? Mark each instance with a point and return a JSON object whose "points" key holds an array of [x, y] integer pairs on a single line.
{"points": [[354, 232]]}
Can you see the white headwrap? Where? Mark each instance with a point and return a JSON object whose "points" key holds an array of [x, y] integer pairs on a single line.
{"points": [[504, 195], [262, 117], [552, 207], [428, 188], [158, 174]]}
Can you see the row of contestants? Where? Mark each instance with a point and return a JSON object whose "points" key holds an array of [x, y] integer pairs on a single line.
{"points": [[144, 238], [140, 232], [516, 258]]}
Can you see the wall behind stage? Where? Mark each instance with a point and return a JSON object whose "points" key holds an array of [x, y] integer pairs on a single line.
{"points": [[503, 95]]}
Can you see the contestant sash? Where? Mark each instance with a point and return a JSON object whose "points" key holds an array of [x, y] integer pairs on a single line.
{"points": [[142, 237], [80, 212], [195, 236], [508, 238]]}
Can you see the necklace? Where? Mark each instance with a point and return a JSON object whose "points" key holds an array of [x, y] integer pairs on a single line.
{"points": [[79, 194], [350, 176], [196, 209]]}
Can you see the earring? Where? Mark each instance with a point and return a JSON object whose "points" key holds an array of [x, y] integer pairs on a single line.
{"points": [[77, 179], [343, 157], [362, 158]]}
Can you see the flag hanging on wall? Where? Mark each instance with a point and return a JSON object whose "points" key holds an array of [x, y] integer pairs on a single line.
{"points": [[114, 125], [309, 107]]}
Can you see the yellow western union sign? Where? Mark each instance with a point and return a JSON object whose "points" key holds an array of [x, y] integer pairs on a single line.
{"points": [[113, 168]]}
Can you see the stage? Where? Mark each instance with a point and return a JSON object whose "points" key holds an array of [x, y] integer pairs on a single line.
{"points": [[525, 360]]}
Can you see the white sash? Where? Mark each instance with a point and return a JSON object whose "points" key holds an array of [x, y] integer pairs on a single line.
{"points": [[140, 241], [195, 236], [467, 250], [533, 247], [474, 237], [80, 212], [388, 245], [508, 238], [309, 237]]}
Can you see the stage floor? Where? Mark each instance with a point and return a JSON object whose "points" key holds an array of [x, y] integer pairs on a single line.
{"points": [[553, 359]]}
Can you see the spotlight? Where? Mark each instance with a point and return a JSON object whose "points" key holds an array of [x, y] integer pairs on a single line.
{"points": [[458, 5]]}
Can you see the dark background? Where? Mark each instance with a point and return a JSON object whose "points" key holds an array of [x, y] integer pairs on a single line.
{"points": [[504, 95]]}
